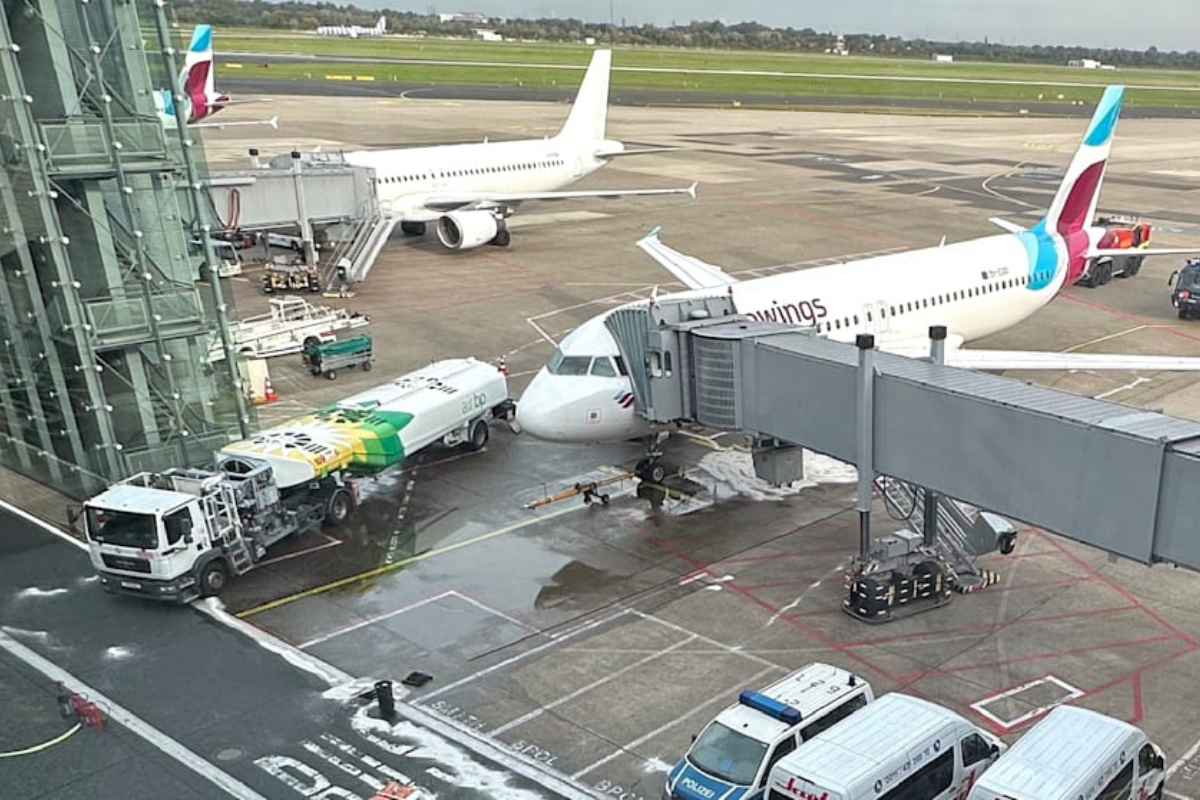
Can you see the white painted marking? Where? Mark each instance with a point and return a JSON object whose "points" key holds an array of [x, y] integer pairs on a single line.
{"points": [[700, 637], [566, 698], [587, 626], [338, 680], [1124, 388], [1072, 693], [1175, 795], [43, 524], [1183, 759], [117, 653], [28, 634], [628, 747], [168, 746], [362, 623], [306, 551], [497, 612]]}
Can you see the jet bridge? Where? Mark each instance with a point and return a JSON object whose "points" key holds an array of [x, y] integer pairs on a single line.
{"points": [[1029, 452]]}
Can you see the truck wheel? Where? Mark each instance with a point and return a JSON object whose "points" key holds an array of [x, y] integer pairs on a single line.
{"points": [[479, 435], [1183, 314], [331, 374], [1008, 543], [213, 578], [366, 367], [338, 508]]}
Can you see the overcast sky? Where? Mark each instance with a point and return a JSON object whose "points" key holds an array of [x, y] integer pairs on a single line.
{"points": [[1166, 24]]}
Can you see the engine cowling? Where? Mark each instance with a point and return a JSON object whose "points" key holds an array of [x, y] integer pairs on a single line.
{"points": [[462, 230]]}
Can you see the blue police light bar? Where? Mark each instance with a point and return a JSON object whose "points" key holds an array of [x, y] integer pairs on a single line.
{"points": [[772, 708]]}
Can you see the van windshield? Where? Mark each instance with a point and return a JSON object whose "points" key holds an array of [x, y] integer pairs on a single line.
{"points": [[726, 754]]}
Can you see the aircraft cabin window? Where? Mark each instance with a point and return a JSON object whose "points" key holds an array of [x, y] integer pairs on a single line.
{"points": [[892, 310], [603, 367], [856, 319]]}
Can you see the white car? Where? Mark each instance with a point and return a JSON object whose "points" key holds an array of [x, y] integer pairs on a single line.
{"points": [[285, 240]]}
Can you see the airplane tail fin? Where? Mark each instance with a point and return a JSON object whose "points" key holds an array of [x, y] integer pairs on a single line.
{"points": [[1074, 206], [590, 111], [381, 25], [196, 79]]}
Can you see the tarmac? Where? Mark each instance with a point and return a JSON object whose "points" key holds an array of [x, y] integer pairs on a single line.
{"points": [[574, 650]]}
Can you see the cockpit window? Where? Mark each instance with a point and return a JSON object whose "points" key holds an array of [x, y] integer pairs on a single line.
{"points": [[603, 367], [568, 365]]}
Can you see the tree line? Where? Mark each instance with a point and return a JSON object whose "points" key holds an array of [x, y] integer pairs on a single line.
{"points": [[716, 35]]}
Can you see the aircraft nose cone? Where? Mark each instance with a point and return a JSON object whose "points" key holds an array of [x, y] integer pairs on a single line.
{"points": [[540, 412]]}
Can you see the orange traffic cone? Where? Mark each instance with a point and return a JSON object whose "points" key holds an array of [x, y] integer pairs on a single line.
{"points": [[269, 393], [503, 366]]}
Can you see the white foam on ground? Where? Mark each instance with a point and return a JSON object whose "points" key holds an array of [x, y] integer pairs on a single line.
{"points": [[34, 591], [118, 653], [735, 469], [656, 765], [412, 741], [294, 656], [358, 687]]}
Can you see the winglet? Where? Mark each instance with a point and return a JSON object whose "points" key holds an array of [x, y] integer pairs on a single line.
{"points": [[274, 122], [653, 234], [692, 190]]}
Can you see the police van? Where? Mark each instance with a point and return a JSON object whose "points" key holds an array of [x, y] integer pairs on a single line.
{"points": [[732, 756], [1076, 754], [897, 748]]}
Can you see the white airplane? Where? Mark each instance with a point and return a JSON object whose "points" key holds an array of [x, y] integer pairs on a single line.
{"points": [[198, 97], [469, 190], [354, 31], [974, 288]]}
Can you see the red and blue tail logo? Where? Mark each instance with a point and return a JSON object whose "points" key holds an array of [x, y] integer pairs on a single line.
{"points": [[1065, 224], [196, 80]]}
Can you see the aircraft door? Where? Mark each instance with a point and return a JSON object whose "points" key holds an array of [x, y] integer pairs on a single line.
{"points": [[875, 317]]}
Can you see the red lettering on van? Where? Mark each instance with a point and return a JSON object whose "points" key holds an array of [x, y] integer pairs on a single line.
{"points": [[803, 794]]}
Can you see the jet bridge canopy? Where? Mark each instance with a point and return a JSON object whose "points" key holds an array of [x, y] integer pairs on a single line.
{"points": [[1025, 451]]}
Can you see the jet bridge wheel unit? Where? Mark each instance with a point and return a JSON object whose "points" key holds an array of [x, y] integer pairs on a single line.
{"points": [[896, 593]]}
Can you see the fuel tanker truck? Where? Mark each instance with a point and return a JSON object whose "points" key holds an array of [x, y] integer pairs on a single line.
{"points": [[184, 533]]}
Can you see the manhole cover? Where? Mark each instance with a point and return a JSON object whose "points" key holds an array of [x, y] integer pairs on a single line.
{"points": [[230, 754]]}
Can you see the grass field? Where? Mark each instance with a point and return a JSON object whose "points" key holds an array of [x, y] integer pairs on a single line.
{"points": [[684, 71]]}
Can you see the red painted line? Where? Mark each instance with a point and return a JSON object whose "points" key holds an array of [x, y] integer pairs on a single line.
{"points": [[990, 626], [818, 551], [1138, 708], [808, 581], [1059, 653], [791, 619], [1037, 585], [1015, 556], [1118, 588], [1156, 323]]}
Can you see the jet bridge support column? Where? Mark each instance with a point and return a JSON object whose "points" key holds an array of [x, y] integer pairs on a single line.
{"points": [[937, 354], [866, 420]]}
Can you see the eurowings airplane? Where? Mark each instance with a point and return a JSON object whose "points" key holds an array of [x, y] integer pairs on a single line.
{"points": [[974, 288], [199, 98], [468, 190], [354, 31]]}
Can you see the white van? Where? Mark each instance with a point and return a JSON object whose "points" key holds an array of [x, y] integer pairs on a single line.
{"points": [[897, 748], [1076, 754], [733, 755]]}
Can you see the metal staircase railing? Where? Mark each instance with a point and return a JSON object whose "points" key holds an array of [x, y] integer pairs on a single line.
{"points": [[954, 527]]}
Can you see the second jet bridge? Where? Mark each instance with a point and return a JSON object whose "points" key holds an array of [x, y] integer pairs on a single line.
{"points": [[1114, 477]]}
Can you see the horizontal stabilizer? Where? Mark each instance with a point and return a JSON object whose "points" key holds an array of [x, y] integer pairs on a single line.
{"points": [[452, 202], [1011, 227], [690, 271], [613, 152], [1020, 359]]}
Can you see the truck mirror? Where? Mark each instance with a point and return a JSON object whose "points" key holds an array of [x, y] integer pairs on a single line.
{"points": [[1171, 279], [994, 750]]}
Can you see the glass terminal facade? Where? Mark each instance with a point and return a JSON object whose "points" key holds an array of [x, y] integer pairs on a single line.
{"points": [[106, 334]]}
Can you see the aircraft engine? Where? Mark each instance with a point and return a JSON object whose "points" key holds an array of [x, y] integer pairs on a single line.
{"points": [[462, 230]]}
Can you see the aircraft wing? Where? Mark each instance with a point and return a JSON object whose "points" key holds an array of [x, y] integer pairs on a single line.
{"points": [[1103, 252], [452, 202], [1020, 359], [689, 270], [273, 122], [968, 358]]}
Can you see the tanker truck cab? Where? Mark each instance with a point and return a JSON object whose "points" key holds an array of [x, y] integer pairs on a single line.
{"points": [[1076, 754], [731, 758], [897, 748]]}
